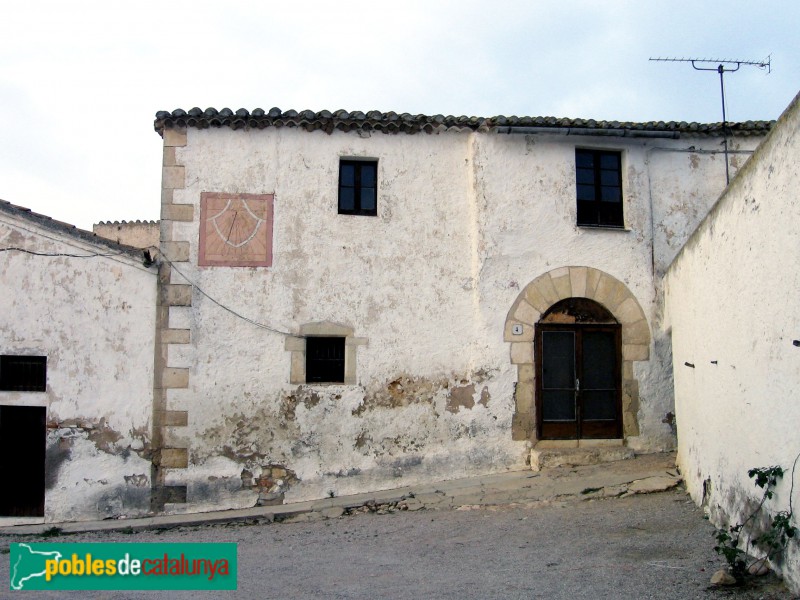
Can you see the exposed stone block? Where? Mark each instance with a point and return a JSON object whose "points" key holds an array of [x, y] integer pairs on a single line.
{"points": [[636, 333], [177, 212], [577, 278], [524, 397], [548, 291], [521, 353], [298, 368], [536, 299], [326, 328], [608, 290], [176, 336], [527, 334], [523, 427], [294, 344], [174, 377], [176, 294], [173, 178], [174, 137], [628, 310], [635, 352], [176, 251], [526, 374], [562, 284], [174, 458], [173, 418], [526, 313], [169, 157], [592, 279]]}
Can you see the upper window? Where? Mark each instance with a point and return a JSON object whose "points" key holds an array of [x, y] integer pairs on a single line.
{"points": [[23, 373], [599, 181], [325, 360], [358, 187]]}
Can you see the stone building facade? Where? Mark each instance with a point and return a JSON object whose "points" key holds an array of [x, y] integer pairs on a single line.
{"points": [[351, 301], [76, 372]]}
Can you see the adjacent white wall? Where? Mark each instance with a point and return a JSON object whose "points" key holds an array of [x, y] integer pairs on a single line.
{"points": [[732, 304], [465, 221], [94, 319]]}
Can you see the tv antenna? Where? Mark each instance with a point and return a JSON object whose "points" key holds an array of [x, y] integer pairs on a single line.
{"points": [[726, 65]]}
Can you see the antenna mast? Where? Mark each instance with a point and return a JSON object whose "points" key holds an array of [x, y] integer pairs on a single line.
{"points": [[722, 68]]}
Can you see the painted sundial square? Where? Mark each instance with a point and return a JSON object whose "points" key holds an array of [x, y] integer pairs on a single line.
{"points": [[235, 230]]}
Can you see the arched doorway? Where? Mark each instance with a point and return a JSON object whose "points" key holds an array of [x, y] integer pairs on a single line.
{"points": [[578, 379], [536, 299]]}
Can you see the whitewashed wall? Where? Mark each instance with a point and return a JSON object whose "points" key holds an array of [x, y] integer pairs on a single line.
{"points": [[465, 221], [94, 320], [732, 300]]}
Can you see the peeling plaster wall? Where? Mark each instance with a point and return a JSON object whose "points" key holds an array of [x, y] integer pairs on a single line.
{"points": [[732, 307], [465, 221], [94, 320]]}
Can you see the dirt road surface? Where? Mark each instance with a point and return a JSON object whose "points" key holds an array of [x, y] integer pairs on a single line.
{"points": [[645, 546]]}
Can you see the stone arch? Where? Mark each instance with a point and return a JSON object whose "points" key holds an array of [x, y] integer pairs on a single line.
{"points": [[542, 293]]}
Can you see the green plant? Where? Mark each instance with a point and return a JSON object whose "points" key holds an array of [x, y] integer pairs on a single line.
{"points": [[772, 540]]}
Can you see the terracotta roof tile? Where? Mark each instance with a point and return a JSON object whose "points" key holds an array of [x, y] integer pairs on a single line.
{"points": [[391, 122]]}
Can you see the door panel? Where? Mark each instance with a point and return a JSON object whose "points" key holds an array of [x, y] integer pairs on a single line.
{"points": [[22, 453], [578, 381]]}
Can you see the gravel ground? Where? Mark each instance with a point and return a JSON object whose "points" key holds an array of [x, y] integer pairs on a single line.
{"points": [[646, 546]]}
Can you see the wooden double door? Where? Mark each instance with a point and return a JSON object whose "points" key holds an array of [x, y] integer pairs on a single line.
{"points": [[578, 391]]}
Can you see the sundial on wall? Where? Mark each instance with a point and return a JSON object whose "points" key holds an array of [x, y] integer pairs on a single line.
{"points": [[235, 230]]}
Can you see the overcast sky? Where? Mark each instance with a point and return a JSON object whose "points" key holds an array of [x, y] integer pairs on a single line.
{"points": [[81, 81]]}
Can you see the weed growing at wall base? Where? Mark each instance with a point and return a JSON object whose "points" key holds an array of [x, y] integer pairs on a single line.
{"points": [[771, 540], [98, 566]]}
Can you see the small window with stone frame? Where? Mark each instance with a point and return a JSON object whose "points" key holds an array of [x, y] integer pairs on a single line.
{"points": [[325, 359]]}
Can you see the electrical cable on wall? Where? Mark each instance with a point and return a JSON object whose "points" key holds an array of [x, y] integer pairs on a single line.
{"points": [[218, 303], [24, 250]]}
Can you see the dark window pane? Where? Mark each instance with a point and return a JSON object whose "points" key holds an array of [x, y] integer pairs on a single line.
{"points": [[599, 405], [325, 359], [609, 160], [587, 213], [584, 159], [558, 359], [609, 177], [610, 194], [367, 198], [585, 176], [368, 175], [347, 175], [23, 373], [599, 360], [347, 199], [610, 213], [558, 405], [585, 192]]}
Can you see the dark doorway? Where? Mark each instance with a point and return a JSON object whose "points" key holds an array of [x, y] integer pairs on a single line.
{"points": [[578, 392], [22, 451]]}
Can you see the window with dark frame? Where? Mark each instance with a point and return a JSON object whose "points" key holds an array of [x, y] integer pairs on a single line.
{"points": [[23, 373], [325, 360], [358, 187], [599, 182]]}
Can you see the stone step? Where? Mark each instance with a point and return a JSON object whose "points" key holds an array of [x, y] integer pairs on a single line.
{"points": [[547, 457]]}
